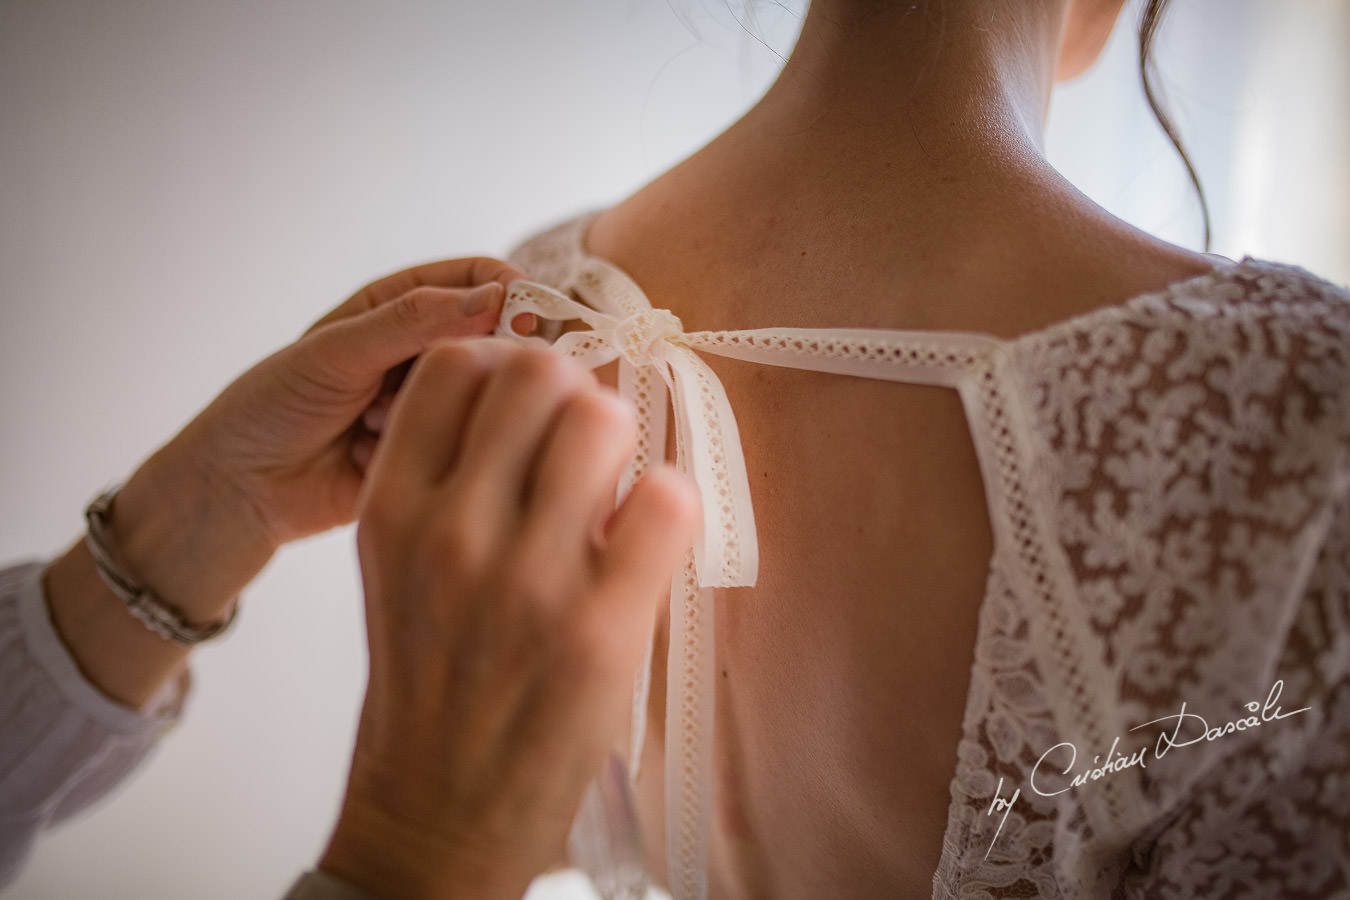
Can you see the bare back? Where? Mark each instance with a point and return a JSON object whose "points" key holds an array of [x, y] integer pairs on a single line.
{"points": [[842, 675]]}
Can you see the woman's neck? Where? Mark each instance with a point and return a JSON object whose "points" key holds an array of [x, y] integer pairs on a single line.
{"points": [[894, 167], [935, 111], [929, 85]]}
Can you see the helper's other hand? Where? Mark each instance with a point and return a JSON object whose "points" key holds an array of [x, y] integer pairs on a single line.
{"points": [[508, 604]]}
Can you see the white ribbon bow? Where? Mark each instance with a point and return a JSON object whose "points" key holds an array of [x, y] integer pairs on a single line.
{"points": [[624, 326]]}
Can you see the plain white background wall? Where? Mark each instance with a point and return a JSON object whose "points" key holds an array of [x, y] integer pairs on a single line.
{"points": [[186, 184]]}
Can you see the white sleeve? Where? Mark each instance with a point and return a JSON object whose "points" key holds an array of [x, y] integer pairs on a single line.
{"points": [[63, 744]]}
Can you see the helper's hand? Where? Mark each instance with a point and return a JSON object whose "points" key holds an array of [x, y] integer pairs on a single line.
{"points": [[278, 455], [288, 434], [507, 612]]}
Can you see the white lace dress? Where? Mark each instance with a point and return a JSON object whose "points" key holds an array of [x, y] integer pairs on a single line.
{"points": [[1159, 704]]}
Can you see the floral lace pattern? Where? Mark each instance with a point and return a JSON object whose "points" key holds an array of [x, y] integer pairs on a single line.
{"points": [[1169, 486], [1200, 441]]}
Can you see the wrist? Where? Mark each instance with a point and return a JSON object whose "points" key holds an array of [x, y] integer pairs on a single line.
{"points": [[176, 533], [379, 856], [375, 849], [188, 535]]}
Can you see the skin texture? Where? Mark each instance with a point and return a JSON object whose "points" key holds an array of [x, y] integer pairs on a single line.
{"points": [[891, 178]]}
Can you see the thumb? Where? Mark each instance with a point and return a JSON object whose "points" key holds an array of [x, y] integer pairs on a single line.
{"points": [[366, 346]]}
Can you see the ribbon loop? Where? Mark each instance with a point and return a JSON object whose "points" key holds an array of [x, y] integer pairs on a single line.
{"points": [[726, 551]]}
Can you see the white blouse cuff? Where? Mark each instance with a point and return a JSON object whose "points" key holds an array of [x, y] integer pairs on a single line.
{"points": [[48, 650]]}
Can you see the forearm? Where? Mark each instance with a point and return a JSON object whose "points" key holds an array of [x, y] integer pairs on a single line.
{"points": [[193, 542]]}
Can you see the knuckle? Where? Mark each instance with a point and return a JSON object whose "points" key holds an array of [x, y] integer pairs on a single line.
{"points": [[604, 425], [604, 415], [538, 366], [415, 309], [449, 360], [318, 356], [489, 268]]}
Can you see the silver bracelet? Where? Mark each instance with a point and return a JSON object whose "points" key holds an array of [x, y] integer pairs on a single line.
{"points": [[152, 612]]}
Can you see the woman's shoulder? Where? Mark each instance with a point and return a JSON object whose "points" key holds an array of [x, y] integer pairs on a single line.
{"points": [[1251, 357], [1239, 318], [1253, 290]]}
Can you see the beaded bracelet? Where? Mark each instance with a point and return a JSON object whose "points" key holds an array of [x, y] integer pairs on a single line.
{"points": [[152, 612]]}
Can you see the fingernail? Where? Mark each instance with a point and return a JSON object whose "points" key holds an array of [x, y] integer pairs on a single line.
{"points": [[524, 324], [478, 299]]}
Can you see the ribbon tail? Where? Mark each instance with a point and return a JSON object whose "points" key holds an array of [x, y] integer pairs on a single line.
{"points": [[690, 687], [647, 392], [727, 552]]}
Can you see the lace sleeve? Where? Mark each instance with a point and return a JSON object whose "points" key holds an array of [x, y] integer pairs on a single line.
{"points": [[1198, 461], [1274, 818]]}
